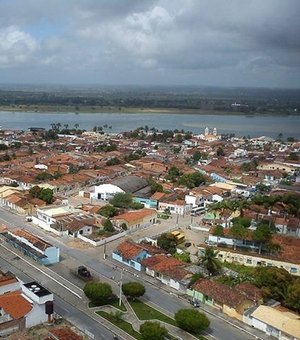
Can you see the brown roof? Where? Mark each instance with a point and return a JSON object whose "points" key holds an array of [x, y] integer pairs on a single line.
{"points": [[130, 250], [219, 292], [251, 292], [6, 279], [64, 333], [15, 304], [133, 216], [161, 263], [34, 240]]}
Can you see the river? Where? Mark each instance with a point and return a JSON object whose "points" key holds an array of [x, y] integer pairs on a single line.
{"points": [[240, 125]]}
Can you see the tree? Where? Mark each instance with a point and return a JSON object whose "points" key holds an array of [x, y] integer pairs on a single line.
{"points": [[168, 242], [293, 156], [263, 234], [220, 151], [185, 257], [192, 321], [218, 231], [108, 226], [196, 156], [121, 200], [244, 221], [273, 281], [153, 331], [210, 262], [35, 191], [293, 296], [136, 205], [133, 289], [99, 293], [113, 161], [46, 195], [108, 211], [238, 232]]}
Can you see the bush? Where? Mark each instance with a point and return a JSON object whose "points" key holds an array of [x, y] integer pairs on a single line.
{"points": [[133, 289], [191, 320], [99, 293], [153, 331]]}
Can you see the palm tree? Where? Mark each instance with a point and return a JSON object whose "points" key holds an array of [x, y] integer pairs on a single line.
{"points": [[210, 262], [66, 126], [76, 126]]}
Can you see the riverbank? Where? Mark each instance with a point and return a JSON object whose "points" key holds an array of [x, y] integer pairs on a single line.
{"points": [[127, 110]]}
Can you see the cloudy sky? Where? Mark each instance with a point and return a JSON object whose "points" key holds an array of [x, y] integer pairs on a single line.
{"points": [[180, 42]]}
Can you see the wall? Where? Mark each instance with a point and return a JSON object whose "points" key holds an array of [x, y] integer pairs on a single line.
{"points": [[36, 316], [130, 263], [103, 241], [232, 312], [44, 225], [52, 254]]}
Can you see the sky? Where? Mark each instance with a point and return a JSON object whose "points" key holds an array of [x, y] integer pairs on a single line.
{"points": [[254, 43]]}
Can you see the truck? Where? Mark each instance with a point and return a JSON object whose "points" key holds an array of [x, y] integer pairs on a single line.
{"points": [[83, 273]]}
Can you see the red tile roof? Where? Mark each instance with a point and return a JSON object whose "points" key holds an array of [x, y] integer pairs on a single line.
{"points": [[219, 292], [14, 304], [64, 333], [251, 292], [161, 263]]}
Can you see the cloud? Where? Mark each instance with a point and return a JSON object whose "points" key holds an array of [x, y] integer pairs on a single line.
{"points": [[166, 41], [16, 46]]}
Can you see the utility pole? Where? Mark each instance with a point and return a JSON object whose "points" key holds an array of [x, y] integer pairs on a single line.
{"points": [[104, 250], [177, 217], [120, 293]]}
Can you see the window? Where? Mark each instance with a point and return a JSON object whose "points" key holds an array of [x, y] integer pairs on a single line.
{"points": [[249, 261], [294, 270]]}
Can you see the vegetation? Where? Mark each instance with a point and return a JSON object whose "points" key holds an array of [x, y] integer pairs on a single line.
{"points": [[45, 195], [210, 262], [113, 161], [108, 226], [185, 257], [99, 293], [125, 201], [192, 321], [108, 211], [153, 331], [168, 242], [125, 326], [145, 312], [133, 289]]}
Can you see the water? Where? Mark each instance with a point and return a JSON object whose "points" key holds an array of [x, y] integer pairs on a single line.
{"points": [[241, 125]]}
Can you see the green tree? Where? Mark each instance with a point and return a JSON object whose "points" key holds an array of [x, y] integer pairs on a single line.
{"points": [[220, 151], [293, 296], [133, 289], [185, 257], [99, 293], [108, 211], [273, 281], [153, 331], [263, 234], [218, 231], [113, 161], [168, 242], [121, 200], [192, 321], [136, 205], [244, 221], [108, 226], [196, 156], [46, 195], [238, 232], [210, 262]]}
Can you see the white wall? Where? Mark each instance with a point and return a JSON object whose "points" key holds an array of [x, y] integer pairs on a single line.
{"points": [[36, 316]]}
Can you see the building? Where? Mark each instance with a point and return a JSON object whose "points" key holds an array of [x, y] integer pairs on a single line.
{"points": [[228, 300], [132, 254], [281, 323], [134, 185], [32, 246], [136, 219]]}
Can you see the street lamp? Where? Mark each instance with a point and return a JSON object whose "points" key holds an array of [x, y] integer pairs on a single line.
{"points": [[120, 292]]}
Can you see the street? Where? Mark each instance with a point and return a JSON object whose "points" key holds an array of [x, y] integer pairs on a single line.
{"points": [[105, 270]]}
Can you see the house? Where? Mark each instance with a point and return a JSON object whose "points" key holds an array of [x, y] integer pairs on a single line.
{"points": [[32, 246], [21, 305], [129, 184], [131, 254], [175, 207], [169, 271], [228, 300], [136, 219], [280, 324]]}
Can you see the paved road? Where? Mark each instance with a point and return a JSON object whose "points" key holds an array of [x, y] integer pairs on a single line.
{"points": [[63, 308], [93, 258]]}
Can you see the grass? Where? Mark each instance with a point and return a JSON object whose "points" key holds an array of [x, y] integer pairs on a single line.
{"points": [[241, 269], [145, 312], [114, 303], [125, 326]]}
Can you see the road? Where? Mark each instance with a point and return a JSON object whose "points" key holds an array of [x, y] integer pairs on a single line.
{"points": [[93, 258], [62, 307]]}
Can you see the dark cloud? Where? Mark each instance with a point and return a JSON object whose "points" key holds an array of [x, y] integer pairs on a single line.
{"points": [[215, 42]]}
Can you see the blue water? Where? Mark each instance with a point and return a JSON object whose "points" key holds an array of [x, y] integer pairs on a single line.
{"points": [[241, 125]]}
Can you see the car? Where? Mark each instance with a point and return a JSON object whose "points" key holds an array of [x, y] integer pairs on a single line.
{"points": [[28, 219]]}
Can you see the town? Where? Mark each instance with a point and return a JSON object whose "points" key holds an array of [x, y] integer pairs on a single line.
{"points": [[111, 231]]}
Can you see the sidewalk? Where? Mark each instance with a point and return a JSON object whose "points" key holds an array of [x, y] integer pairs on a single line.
{"points": [[210, 310]]}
